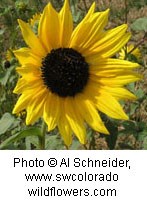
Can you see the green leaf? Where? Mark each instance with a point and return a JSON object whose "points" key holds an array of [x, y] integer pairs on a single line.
{"points": [[2, 31], [140, 24], [75, 144], [4, 77], [139, 93], [77, 18], [53, 142], [112, 138], [76, 13], [131, 57], [131, 87], [111, 125], [145, 143], [142, 136], [129, 127], [133, 108], [142, 126], [34, 131], [32, 141], [6, 122]]}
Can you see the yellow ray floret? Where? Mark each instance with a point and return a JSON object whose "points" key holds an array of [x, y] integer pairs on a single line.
{"points": [[130, 49]]}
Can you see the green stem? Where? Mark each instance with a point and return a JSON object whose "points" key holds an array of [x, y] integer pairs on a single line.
{"points": [[85, 147], [42, 137], [92, 142], [66, 147]]}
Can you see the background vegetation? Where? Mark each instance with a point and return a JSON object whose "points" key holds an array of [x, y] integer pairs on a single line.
{"points": [[14, 134]]}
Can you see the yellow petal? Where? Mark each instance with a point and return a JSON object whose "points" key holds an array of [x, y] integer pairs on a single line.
{"points": [[113, 49], [110, 106], [75, 120], [120, 93], [52, 110], [49, 28], [93, 28], [65, 129], [31, 39], [91, 90], [122, 53], [29, 70], [78, 38], [66, 24], [35, 107], [43, 29], [136, 52], [32, 76], [25, 56], [90, 114], [111, 67], [127, 49], [20, 86], [29, 85], [81, 28], [22, 103], [110, 63], [111, 43], [116, 80], [96, 25]]}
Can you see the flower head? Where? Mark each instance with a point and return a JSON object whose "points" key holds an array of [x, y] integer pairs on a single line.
{"points": [[9, 54], [68, 75], [9, 57], [128, 53], [35, 19]]}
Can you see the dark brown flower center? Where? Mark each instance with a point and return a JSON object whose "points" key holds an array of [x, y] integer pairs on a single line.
{"points": [[65, 72]]}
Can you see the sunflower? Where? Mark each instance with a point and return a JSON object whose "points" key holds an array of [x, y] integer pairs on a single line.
{"points": [[34, 19], [68, 75], [9, 54], [127, 52]]}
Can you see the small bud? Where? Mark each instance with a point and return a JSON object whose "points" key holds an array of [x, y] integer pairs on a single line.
{"points": [[7, 64]]}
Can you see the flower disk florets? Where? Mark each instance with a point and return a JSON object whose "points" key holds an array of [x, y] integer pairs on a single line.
{"points": [[65, 72]]}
